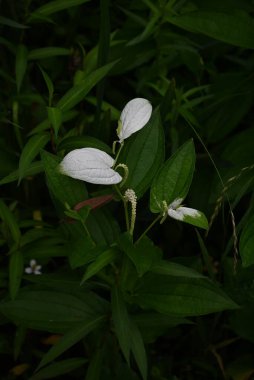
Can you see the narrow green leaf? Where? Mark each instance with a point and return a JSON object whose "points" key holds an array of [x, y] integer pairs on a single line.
{"points": [[138, 349], [206, 257], [170, 268], [13, 24], [59, 368], [121, 322], [30, 151], [55, 6], [143, 154], [20, 65], [49, 84], [100, 262], [95, 367], [10, 221], [174, 178], [69, 339], [16, 269], [179, 296], [77, 142], [33, 169], [79, 91], [55, 118], [47, 52], [221, 26]]}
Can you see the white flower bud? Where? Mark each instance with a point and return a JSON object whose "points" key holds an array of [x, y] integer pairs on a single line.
{"points": [[90, 165], [134, 117]]}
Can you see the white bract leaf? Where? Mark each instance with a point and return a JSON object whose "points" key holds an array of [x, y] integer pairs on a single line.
{"points": [[179, 212], [90, 165], [134, 117]]}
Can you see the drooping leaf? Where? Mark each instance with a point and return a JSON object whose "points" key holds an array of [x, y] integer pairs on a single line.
{"points": [[34, 168], [10, 221], [59, 368]]}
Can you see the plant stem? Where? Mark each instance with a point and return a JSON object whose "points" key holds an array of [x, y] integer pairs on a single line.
{"points": [[149, 227], [118, 153], [125, 207]]}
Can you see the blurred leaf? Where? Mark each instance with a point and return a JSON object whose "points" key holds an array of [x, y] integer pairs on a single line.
{"points": [[143, 154], [95, 367], [47, 52], [246, 247], [170, 268], [45, 124], [121, 322], [16, 270], [78, 142], [10, 221], [221, 26], [34, 168], [174, 178], [30, 151], [100, 262], [13, 24], [49, 84], [179, 296], [21, 64], [59, 368], [70, 338], [79, 91], [55, 118], [55, 6]]}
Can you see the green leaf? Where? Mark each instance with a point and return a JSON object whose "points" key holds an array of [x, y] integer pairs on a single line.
{"points": [[55, 118], [13, 24], [138, 349], [30, 151], [55, 6], [246, 246], [121, 322], [79, 91], [34, 168], [52, 311], [143, 254], [47, 52], [10, 221], [59, 368], [170, 268], [49, 84], [174, 178], [143, 154], [95, 367], [16, 269], [63, 188], [100, 262], [77, 142], [70, 338], [219, 25], [21, 64], [179, 296]]}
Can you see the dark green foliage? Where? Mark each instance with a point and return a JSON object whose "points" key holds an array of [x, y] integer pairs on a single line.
{"points": [[116, 302]]}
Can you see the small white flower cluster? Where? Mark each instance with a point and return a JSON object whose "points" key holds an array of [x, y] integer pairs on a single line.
{"points": [[95, 166], [33, 268]]}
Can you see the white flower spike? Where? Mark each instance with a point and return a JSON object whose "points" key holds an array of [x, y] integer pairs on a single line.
{"points": [[134, 117], [33, 268], [90, 165]]}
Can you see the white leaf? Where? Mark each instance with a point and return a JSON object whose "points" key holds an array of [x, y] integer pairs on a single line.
{"points": [[134, 117], [181, 212], [90, 165]]}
